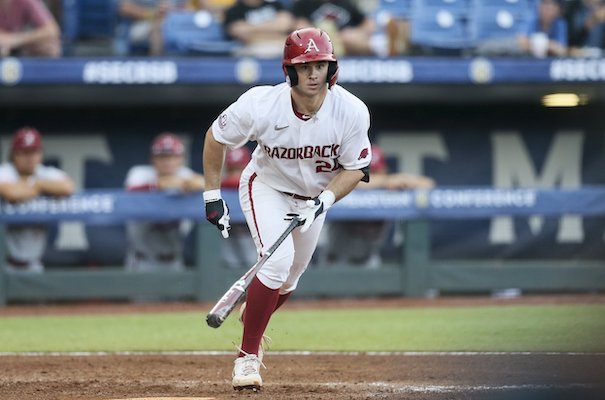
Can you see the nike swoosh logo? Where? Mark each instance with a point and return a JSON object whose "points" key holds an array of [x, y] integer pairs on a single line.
{"points": [[279, 128]]}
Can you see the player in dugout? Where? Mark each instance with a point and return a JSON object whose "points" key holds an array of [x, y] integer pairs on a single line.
{"points": [[312, 150], [24, 178], [158, 246], [360, 243]]}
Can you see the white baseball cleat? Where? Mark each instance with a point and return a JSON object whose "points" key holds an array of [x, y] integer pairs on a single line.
{"points": [[246, 373]]}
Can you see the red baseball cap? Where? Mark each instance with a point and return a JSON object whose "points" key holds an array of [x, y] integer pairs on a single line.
{"points": [[167, 143], [378, 163], [26, 138], [237, 158]]}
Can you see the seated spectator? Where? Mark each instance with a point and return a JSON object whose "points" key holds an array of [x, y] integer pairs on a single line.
{"points": [[586, 27], [348, 27], [260, 25], [359, 243], [546, 32], [239, 251], [24, 178], [27, 28], [159, 246], [398, 36], [141, 25]]}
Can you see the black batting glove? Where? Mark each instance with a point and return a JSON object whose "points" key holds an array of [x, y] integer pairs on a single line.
{"points": [[217, 211]]}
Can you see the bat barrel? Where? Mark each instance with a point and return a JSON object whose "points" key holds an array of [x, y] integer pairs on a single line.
{"points": [[214, 320]]}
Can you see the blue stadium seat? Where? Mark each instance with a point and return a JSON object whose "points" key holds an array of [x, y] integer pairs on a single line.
{"points": [[395, 8], [456, 6], [97, 18], [87, 19], [495, 19], [195, 33], [440, 24]]}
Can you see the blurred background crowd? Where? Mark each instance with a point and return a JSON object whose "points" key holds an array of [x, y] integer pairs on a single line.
{"points": [[538, 28]]}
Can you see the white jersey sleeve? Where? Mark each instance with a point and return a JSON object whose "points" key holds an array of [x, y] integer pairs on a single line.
{"points": [[141, 177], [236, 125], [355, 150], [8, 174]]}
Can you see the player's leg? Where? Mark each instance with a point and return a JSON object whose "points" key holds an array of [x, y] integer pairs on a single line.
{"points": [[304, 247], [265, 210]]}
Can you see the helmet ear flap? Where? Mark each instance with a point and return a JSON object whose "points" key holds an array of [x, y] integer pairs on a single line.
{"points": [[291, 75], [332, 73]]}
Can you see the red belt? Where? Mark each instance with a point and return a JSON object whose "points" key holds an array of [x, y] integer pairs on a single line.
{"points": [[297, 196]]}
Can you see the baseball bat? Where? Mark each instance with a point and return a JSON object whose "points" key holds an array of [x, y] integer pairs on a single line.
{"points": [[235, 293]]}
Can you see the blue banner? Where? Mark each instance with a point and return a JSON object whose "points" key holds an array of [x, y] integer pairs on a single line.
{"points": [[248, 71], [110, 207]]}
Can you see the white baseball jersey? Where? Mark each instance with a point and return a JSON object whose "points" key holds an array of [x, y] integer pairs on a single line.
{"points": [[26, 243], [293, 155], [154, 246]]}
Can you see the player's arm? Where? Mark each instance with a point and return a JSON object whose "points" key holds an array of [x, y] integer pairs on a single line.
{"points": [[378, 181], [16, 40], [56, 187], [194, 183], [397, 181], [343, 183], [217, 211], [408, 181], [170, 182], [16, 192], [213, 159]]}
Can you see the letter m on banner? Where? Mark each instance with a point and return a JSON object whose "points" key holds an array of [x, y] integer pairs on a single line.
{"points": [[513, 167]]}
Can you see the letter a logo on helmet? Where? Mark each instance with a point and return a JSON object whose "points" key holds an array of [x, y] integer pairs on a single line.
{"points": [[309, 45]]}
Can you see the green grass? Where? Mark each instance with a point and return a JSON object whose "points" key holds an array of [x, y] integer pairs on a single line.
{"points": [[504, 328]]}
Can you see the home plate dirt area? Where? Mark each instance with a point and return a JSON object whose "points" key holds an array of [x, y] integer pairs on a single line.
{"points": [[331, 376]]}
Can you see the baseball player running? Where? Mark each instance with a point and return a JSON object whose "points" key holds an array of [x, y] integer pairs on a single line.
{"points": [[24, 178], [312, 150]]}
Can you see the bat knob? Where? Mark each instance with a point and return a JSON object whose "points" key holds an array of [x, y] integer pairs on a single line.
{"points": [[213, 320]]}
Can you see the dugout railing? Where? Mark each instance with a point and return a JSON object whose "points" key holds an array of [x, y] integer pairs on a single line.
{"points": [[415, 275]]}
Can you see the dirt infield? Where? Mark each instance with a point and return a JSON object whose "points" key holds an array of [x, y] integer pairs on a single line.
{"points": [[296, 376], [414, 377]]}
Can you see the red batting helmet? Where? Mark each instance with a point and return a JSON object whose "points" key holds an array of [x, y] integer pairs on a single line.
{"points": [[26, 138], [167, 143], [308, 45]]}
